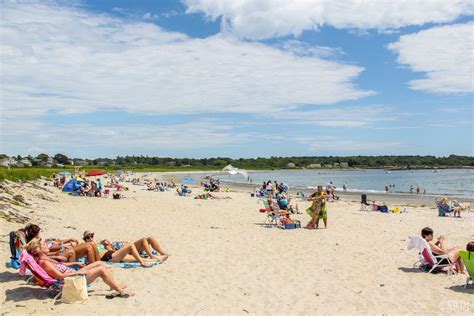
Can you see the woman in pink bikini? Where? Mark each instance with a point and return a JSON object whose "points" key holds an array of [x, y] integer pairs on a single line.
{"points": [[38, 249]]}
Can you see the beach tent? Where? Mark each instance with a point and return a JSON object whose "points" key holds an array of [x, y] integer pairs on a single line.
{"points": [[72, 185], [65, 173], [188, 180], [95, 172], [233, 171]]}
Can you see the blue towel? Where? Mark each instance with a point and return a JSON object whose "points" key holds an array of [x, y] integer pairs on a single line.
{"points": [[128, 265]]}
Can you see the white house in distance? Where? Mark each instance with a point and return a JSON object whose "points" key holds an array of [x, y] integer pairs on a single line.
{"points": [[25, 162], [6, 162]]}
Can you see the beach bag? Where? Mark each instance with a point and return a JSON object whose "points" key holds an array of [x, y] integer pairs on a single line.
{"points": [[74, 290]]}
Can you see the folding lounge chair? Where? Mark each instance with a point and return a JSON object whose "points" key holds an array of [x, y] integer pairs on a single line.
{"points": [[273, 213], [426, 257], [443, 209], [43, 279], [468, 258]]}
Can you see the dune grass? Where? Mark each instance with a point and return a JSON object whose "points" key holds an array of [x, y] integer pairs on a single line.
{"points": [[33, 173]]}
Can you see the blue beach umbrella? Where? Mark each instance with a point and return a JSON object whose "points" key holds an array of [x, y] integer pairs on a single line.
{"points": [[188, 180]]}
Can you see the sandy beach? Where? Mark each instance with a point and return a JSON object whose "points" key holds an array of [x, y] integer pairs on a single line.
{"points": [[224, 261]]}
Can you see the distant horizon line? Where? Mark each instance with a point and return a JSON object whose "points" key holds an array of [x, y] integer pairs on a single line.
{"points": [[236, 158]]}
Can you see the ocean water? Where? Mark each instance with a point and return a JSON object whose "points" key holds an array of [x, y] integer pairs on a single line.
{"points": [[452, 182]]}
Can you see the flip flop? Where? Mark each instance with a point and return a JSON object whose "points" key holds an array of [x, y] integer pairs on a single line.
{"points": [[120, 295]]}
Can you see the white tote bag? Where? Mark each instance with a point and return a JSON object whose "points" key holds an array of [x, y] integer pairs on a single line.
{"points": [[74, 290]]}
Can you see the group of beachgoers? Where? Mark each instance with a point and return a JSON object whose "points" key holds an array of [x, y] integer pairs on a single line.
{"points": [[160, 186], [91, 188], [281, 201], [271, 189], [59, 180], [214, 185], [446, 207], [70, 257], [439, 249]]}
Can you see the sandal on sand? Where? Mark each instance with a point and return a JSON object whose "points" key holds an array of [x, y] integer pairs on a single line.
{"points": [[119, 294]]}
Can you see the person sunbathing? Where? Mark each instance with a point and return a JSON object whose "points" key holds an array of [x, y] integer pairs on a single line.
{"points": [[128, 252], [68, 250], [38, 250], [439, 248]]}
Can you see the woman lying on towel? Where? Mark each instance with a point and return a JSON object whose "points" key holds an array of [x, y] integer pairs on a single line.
{"points": [[38, 249], [127, 252], [63, 250], [211, 196]]}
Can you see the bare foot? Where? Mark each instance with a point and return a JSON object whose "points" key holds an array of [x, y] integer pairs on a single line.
{"points": [[122, 286], [162, 258], [146, 264], [155, 257]]}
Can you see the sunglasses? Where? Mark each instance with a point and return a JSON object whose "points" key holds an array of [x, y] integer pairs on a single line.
{"points": [[89, 237]]}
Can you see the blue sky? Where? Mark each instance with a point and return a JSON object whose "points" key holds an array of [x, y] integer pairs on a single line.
{"points": [[202, 78]]}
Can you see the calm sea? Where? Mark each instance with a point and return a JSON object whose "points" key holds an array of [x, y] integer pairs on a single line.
{"points": [[453, 182]]}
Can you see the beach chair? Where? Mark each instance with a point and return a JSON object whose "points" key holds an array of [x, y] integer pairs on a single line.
{"points": [[274, 213], [106, 192], [364, 204], [443, 208], [427, 259], [468, 259], [43, 279]]}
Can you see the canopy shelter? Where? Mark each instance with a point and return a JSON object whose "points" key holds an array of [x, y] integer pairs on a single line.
{"points": [[64, 173], [95, 172]]}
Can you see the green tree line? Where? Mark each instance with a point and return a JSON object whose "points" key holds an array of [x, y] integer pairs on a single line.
{"points": [[263, 162]]}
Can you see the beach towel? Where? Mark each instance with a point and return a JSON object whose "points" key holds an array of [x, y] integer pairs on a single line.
{"points": [[17, 241], [128, 265], [416, 242]]}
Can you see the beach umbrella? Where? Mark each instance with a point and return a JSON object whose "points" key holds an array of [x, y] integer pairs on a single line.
{"points": [[95, 172], [232, 170], [188, 180], [65, 173]]}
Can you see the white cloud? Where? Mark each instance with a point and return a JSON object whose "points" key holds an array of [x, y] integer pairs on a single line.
{"points": [[356, 116], [82, 138], [150, 16], [444, 53], [331, 144], [269, 18], [70, 60]]}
